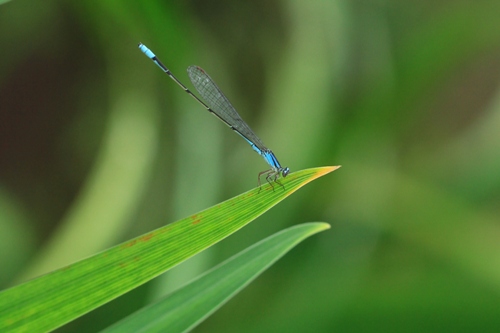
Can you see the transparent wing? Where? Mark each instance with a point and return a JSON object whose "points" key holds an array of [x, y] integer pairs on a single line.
{"points": [[219, 104]]}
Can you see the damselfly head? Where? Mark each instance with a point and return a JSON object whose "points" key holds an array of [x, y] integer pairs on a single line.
{"points": [[285, 172]]}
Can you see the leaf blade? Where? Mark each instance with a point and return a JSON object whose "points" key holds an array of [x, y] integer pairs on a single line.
{"points": [[190, 305], [52, 300]]}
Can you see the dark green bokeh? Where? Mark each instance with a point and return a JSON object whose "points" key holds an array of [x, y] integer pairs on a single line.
{"points": [[97, 146]]}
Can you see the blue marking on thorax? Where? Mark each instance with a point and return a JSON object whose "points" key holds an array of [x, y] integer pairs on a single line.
{"points": [[271, 159], [267, 154]]}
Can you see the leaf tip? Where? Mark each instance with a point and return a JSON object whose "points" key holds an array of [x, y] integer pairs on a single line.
{"points": [[323, 226], [325, 170], [333, 168], [317, 226]]}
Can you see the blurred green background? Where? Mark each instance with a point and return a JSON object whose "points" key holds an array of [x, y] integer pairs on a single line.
{"points": [[98, 145]]}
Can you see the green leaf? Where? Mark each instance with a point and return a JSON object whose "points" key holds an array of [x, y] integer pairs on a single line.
{"points": [[188, 306], [52, 300]]}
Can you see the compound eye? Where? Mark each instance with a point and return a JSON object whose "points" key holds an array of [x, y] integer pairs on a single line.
{"points": [[285, 172]]}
